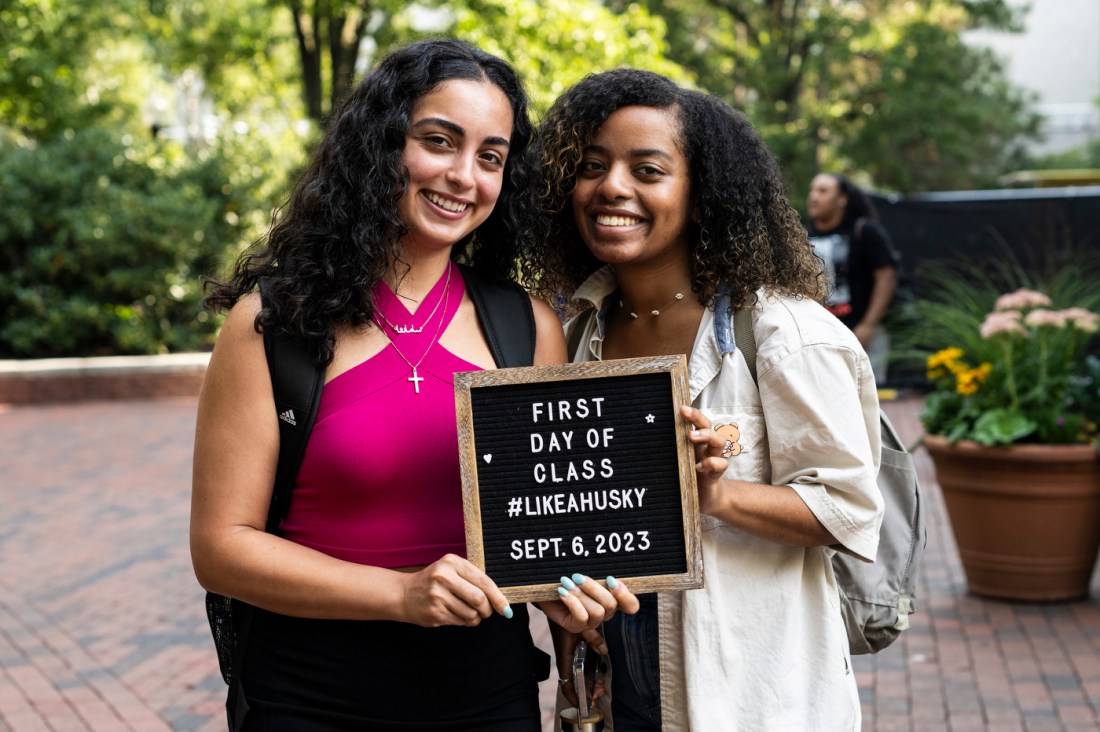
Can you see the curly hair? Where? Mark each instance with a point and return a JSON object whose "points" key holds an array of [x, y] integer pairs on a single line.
{"points": [[332, 241], [746, 235]]}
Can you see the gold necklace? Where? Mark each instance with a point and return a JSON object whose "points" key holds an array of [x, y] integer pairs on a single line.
{"points": [[401, 329], [415, 378], [656, 312]]}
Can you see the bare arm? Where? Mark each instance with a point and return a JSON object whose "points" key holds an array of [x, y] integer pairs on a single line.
{"points": [[882, 294]]}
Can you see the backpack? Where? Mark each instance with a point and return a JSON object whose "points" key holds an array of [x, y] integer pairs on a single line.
{"points": [[877, 598], [297, 379]]}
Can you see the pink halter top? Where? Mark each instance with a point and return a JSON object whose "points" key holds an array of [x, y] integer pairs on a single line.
{"points": [[380, 482]]}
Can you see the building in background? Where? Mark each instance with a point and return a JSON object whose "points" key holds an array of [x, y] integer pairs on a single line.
{"points": [[1057, 57]]}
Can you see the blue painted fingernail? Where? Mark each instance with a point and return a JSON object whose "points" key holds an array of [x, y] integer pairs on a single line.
{"points": [[579, 578], [612, 582], [568, 583], [563, 592], [507, 612]]}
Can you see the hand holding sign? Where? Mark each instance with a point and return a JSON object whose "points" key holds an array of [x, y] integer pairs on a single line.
{"points": [[579, 466]]}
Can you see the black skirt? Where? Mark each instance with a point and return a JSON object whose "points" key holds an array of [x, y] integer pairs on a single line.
{"points": [[331, 675]]}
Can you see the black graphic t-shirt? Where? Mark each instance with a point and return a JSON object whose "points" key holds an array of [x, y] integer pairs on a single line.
{"points": [[850, 263]]}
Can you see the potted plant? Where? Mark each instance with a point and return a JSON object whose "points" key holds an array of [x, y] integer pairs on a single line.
{"points": [[1011, 424]]}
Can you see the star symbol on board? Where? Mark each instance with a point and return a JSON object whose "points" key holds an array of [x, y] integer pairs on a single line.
{"points": [[649, 418]]}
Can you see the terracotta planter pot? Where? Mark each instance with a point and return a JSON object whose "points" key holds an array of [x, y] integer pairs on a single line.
{"points": [[1026, 517]]}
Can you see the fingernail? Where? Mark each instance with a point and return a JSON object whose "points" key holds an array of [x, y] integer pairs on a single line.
{"points": [[696, 433], [563, 592], [579, 578], [568, 583], [507, 612], [612, 582]]}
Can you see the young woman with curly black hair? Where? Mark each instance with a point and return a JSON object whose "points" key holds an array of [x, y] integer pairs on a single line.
{"points": [[368, 616], [667, 215]]}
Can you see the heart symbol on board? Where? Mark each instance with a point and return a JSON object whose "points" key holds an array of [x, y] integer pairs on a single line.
{"points": [[488, 457]]}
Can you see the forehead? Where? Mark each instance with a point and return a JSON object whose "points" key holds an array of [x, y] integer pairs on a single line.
{"points": [[826, 183], [642, 127], [480, 107]]}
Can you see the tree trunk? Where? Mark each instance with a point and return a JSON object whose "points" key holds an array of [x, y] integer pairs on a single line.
{"points": [[305, 29], [345, 33]]}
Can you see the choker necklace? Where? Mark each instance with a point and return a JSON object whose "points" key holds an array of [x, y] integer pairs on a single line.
{"points": [[657, 312], [401, 329], [415, 378]]}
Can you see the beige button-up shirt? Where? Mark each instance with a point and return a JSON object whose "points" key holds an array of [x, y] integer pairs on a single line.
{"points": [[763, 645]]}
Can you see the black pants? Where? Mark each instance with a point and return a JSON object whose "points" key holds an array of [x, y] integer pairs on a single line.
{"points": [[306, 675]]}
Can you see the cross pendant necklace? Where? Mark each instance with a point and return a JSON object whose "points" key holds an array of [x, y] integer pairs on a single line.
{"points": [[416, 378]]}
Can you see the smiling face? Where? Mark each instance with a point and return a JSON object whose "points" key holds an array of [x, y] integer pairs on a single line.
{"points": [[632, 202], [455, 150]]}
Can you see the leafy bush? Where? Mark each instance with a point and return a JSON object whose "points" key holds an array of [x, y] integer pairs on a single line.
{"points": [[1011, 367], [104, 242]]}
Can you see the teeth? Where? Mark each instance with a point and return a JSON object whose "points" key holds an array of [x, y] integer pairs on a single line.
{"points": [[446, 203], [617, 220]]}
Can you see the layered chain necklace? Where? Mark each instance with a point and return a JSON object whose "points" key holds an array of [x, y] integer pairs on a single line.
{"points": [[402, 329], [416, 378]]}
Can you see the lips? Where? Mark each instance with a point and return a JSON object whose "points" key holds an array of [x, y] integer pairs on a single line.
{"points": [[447, 204]]}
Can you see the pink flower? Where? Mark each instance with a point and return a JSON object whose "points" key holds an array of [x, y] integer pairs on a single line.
{"points": [[1022, 299], [1002, 322], [1085, 320], [1041, 317]]}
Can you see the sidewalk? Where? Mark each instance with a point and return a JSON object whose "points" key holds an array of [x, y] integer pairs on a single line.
{"points": [[102, 625]]}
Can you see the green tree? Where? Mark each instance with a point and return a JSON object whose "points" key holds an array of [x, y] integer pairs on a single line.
{"points": [[883, 88], [50, 52], [554, 43]]}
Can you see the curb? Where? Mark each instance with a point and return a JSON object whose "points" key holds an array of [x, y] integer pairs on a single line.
{"points": [[68, 380]]}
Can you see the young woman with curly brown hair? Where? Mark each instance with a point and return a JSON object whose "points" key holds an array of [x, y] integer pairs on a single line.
{"points": [[367, 613], [666, 215]]}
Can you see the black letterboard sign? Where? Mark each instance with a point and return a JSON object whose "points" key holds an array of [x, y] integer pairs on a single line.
{"points": [[579, 468]]}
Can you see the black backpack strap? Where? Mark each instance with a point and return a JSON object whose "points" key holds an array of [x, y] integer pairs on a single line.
{"points": [[297, 379], [506, 316]]}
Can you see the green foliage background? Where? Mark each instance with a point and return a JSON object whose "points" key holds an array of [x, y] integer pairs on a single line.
{"points": [[107, 232]]}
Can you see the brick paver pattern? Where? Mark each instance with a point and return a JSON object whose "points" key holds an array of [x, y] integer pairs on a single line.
{"points": [[102, 624]]}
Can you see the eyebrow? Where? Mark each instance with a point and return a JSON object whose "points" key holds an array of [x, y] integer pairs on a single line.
{"points": [[645, 152], [449, 125]]}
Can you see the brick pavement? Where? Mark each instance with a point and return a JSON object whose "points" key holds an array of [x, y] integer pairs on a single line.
{"points": [[102, 624]]}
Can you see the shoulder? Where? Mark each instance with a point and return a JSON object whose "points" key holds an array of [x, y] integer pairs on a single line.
{"points": [[871, 232], [238, 365], [784, 325], [240, 323], [549, 336]]}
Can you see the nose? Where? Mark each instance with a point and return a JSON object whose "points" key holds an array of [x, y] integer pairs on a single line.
{"points": [[461, 172], [615, 184]]}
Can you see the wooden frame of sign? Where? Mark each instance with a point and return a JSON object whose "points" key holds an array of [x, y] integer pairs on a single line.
{"points": [[583, 467]]}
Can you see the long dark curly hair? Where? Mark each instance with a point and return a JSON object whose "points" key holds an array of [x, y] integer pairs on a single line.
{"points": [[747, 235], [333, 240]]}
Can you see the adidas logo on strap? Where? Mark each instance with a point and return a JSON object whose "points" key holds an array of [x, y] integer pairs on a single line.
{"points": [[288, 417]]}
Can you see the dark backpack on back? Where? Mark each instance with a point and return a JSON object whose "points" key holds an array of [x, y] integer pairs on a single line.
{"points": [[297, 380], [877, 598]]}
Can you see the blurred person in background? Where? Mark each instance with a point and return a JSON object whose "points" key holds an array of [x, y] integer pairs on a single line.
{"points": [[861, 265]]}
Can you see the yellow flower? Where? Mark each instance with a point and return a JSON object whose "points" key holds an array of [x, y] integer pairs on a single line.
{"points": [[968, 381]]}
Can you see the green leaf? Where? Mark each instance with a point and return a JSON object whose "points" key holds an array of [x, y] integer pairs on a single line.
{"points": [[1002, 427]]}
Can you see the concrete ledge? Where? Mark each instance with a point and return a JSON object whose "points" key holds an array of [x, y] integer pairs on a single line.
{"points": [[66, 380]]}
